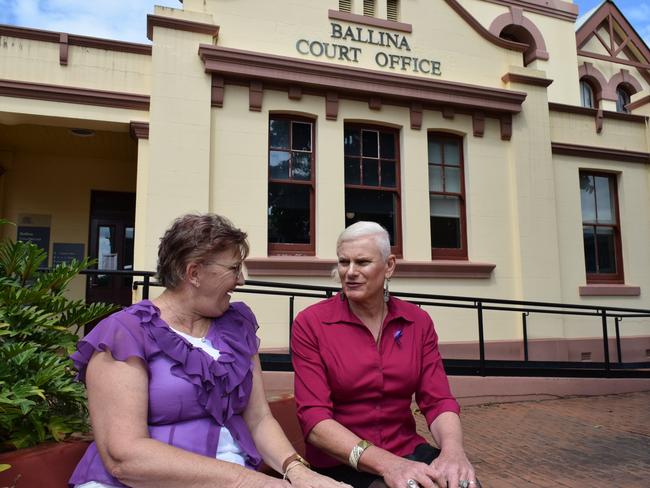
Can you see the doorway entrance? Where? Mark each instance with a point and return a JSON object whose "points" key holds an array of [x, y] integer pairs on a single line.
{"points": [[112, 218]]}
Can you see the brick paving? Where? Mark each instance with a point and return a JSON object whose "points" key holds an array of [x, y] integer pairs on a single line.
{"points": [[576, 442]]}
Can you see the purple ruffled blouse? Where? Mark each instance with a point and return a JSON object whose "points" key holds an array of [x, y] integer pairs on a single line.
{"points": [[191, 395]]}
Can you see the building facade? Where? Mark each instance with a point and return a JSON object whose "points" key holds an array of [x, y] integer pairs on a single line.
{"points": [[504, 146]]}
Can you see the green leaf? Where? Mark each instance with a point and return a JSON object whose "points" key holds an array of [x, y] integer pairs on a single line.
{"points": [[40, 399], [4, 467]]}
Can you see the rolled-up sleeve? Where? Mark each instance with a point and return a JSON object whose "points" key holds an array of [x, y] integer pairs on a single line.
{"points": [[433, 395], [312, 391]]}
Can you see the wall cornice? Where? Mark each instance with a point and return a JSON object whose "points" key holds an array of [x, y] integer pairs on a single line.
{"points": [[280, 71], [179, 24], [594, 152], [139, 130], [639, 103], [574, 109], [66, 94], [74, 40], [311, 266], [526, 80]]}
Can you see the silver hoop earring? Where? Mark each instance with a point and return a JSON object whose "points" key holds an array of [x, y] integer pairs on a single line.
{"points": [[386, 292]]}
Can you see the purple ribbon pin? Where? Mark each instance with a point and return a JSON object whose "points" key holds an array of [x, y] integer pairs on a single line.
{"points": [[397, 336]]}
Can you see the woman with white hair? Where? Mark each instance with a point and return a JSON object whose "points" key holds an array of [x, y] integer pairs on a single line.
{"points": [[359, 357]]}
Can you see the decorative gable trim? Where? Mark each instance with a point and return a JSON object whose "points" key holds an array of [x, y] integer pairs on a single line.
{"points": [[610, 14]]}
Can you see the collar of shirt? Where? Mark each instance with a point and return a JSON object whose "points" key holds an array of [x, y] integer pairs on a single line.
{"points": [[340, 312]]}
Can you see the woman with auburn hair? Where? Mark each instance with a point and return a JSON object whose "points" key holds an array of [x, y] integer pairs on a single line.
{"points": [[174, 385]]}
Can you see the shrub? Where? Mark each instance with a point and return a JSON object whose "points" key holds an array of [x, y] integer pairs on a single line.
{"points": [[39, 397]]}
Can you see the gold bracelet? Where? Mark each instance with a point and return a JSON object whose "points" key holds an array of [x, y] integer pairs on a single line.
{"points": [[294, 457], [357, 451], [291, 465]]}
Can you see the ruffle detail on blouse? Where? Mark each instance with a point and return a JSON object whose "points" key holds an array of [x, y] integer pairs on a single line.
{"points": [[123, 340], [224, 385]]}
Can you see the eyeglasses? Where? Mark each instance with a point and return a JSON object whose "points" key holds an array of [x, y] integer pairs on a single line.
{"points": [[236, 269]]}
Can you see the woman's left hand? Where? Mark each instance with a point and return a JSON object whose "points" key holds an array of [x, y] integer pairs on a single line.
{"points": [[454, 467], [304, 477]]}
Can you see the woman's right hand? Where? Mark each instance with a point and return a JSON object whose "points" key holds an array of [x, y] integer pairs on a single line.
{"points": [[400, 471]]}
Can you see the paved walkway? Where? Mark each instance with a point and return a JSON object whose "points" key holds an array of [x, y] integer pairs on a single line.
{"points": [[582, 442]]}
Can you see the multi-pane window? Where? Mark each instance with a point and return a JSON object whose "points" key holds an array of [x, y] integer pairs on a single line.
{"points": [[622, 99], [600, 228], [372, 178], [447, 196], [587, 98], [291, 185]]}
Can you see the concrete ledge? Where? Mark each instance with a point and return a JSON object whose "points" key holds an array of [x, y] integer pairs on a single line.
{"points": [[476, 390]]}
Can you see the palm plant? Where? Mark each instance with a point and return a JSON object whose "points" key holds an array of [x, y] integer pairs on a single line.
{"points": [[39, 397]]}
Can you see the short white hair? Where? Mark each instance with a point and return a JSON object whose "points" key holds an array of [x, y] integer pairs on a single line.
{"points": [[367, 229]]}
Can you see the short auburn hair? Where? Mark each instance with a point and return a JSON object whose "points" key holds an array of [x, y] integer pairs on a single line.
{"points": [[196, 238]]}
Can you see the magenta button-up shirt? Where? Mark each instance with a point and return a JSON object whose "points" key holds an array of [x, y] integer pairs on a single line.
{"points": [[342, 374]]}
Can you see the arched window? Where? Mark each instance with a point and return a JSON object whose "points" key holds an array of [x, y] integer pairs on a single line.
{"points": [[372, 178], [622, 99], [587, 98], [447, 196], [518, 33], [291, 172]]}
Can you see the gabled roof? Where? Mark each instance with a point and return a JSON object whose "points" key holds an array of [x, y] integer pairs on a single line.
{"points": [[585, 17], [622, 37]]}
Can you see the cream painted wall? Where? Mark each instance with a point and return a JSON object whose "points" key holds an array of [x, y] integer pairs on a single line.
{"points": [[581, 129], [438, 34], [23, 110], [179, 134], [55, 177], [141, 211], [559, 37], [97, 69], [609, 69], [593, 45], [239, 146], [633, 191], [521, 201], [535, 218]]}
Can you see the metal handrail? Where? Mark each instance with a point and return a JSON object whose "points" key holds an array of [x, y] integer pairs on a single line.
{"points": [[483, 366]]}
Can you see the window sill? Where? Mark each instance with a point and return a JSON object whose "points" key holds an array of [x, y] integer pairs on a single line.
{"points": [[311, 266], [609, 290], [443, 269], [290, 266], [371, 21]]}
